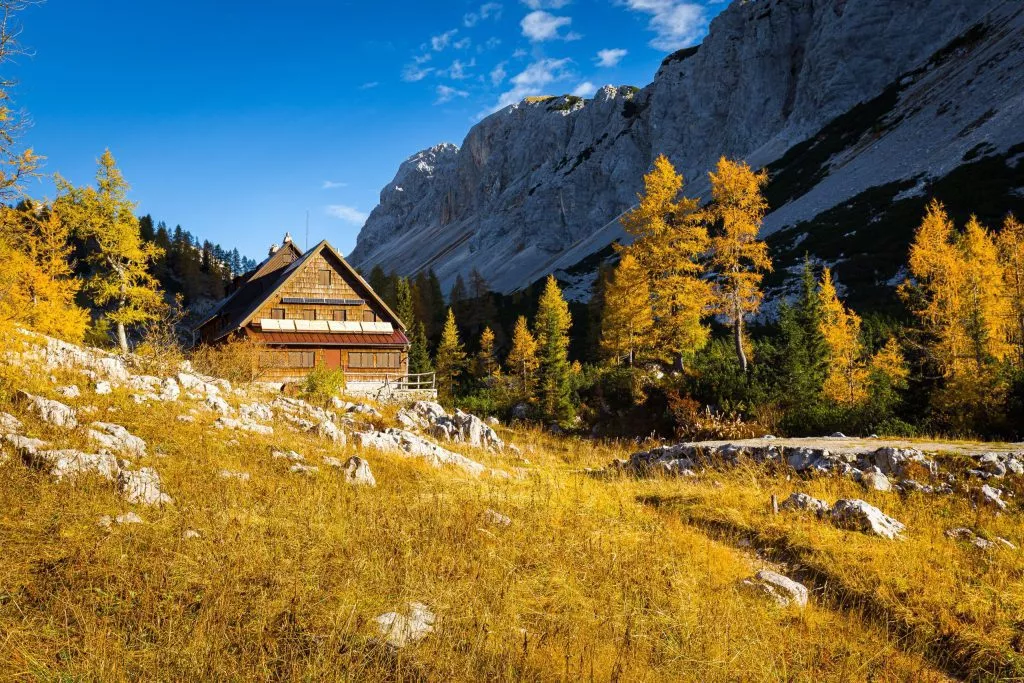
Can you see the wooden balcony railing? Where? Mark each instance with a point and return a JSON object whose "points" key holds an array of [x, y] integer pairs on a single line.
{"points": [[426, 381]]}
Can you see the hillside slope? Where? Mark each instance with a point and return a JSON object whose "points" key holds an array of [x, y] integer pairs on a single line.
{"points": [[835, 98]]}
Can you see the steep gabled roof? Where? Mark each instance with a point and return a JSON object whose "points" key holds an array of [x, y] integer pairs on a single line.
{"points": [[240, 307]]}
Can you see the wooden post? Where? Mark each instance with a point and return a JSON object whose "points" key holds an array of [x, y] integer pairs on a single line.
{"points": [[775, 504]]}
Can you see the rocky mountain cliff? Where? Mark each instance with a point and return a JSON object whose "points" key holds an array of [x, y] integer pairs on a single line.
{"points": [[860, 109]]}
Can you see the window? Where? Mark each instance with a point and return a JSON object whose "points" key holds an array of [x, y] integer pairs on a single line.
{"points": [[309, 314], [277, 314], [392, 359], [301, 359], [369, 317], [340, 316], [360, 359], [324, 278]]}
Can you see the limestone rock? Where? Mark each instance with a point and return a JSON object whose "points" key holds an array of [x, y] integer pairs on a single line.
{"points": [[330, 431], [70, 463], [495, 518], [858, 515], [290, 456], [242, 425], [802, 501], [70, 391], [409, 444], [48, 410], [992, 498], [357, 472], [238, 476], [782, 589], [117, 438], [874, 480], [408, 628], [9, 423], [300, 468], [103, 387], [142, 487]]}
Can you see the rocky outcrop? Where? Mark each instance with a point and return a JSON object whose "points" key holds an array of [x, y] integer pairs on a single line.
{"points": [[783, 590], [48, 410], [461, 427], [858, 515], [414, 446], [861, 94]]}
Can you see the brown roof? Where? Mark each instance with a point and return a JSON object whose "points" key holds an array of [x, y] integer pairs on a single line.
{"points": [[396, 338], [269, 278]]}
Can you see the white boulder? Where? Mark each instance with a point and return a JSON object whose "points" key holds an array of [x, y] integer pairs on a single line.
{"points": [[116, 438], [859, 515], [48, 410], [402, 629], [142, 487], [782, 589]]}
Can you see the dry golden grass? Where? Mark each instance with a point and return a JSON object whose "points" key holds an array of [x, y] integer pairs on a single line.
{"points": [[587, 583]]}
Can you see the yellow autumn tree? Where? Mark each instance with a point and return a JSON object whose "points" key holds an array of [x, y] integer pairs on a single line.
{"points": [[105, 219], [738, 258], [669, 239], [627, 324], [485, 363], [1011, 254], [522, 362], [450, 360], [847, 374]]}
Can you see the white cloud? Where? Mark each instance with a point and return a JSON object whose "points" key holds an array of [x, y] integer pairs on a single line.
{"points": [[413, 73], [546, 4], [487, 11], [532, 81], [332, 185], [539, 26], [462, 44], [439, 43], [469, 20], [498, 74], [585, 89], [447, 94], [368, 86], [423, 59], [611, 57], [457, 70], [676, 23], [347, 214]]}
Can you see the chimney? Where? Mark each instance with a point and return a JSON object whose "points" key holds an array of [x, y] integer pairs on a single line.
{"points": [[273, 249], [287, 238]]}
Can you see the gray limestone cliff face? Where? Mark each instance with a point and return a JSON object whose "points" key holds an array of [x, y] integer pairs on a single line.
{"points": [[539, 185]]}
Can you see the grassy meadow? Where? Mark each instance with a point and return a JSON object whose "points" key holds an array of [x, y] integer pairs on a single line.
{"points": [[595, 579]]}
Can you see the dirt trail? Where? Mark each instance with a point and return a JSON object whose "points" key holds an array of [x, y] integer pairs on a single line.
{"points": [[860, 445]]}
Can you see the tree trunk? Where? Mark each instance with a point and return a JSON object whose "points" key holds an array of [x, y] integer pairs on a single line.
{"points": [[740, 353], [122, 338]]}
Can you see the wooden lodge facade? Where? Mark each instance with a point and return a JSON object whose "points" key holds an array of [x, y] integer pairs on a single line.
{"points": [[312, 309]]}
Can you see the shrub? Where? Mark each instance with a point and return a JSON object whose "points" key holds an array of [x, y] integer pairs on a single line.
{"points": [[237, 360], [321, 385]]}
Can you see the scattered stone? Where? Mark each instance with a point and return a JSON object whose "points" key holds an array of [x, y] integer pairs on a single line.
{"points": [[142, 487], [992, 498], [169, 390], [357, 471], [256, 411], [70, 391], [116, 438], [48, 410], [409, 444], [401, 630], [186, 418], [496, 518], [859, 515], [218, 405], [1006, 544], [290, 456], [802, 501], [9, 423], [128, 518], [782, 589], [968, 536], [68, 463], [228, 474], [874, 480], [25, 446], [191, 534], [894, 460], [103, 387], [242, 425], [330, 431], [493, 421], [299, 468]]}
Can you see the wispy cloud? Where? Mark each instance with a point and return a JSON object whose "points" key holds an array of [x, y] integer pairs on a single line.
{"points": [[332, 185], [413, 73], [462, 44], [532, 81], [539, 26], [447, 94], [488, 10], [439, 43], [370, 85], [585, 89], [347, 213], [498, 74], [676, 23], [546, 4], [610, 57]]}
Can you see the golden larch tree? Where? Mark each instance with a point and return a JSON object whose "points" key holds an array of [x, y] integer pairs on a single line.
{"points": [[669, 239], [485, 364], [450, 360], [738, 258], [1011, 254], [987, 310], [847, 374], [627, 325], [105, 219], [522, 362]]}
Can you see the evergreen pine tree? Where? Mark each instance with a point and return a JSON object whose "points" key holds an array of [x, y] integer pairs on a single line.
{"points": [[403, 302], [419, 353]]}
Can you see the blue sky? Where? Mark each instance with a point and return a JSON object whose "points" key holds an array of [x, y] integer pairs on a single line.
{"points": [[235, 118]]}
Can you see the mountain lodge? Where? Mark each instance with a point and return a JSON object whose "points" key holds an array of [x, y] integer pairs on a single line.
{"points": [[313, 309]]}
